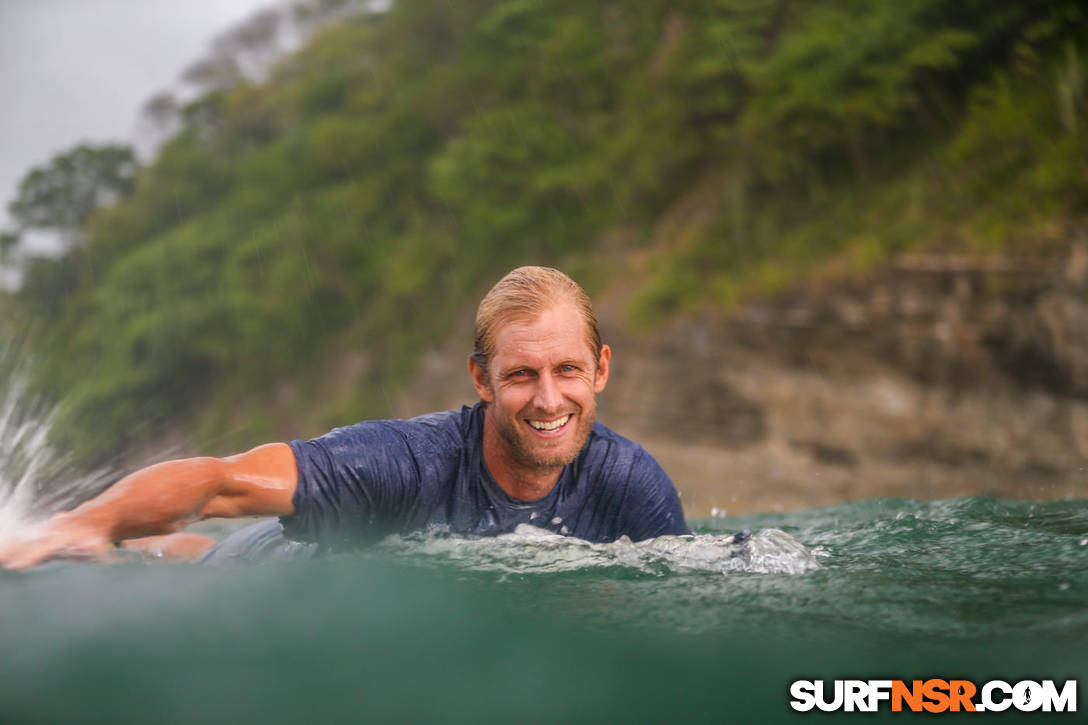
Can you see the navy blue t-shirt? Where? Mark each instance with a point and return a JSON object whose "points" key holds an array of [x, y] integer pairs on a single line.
{"points": [[380, 477], [375, 478]]}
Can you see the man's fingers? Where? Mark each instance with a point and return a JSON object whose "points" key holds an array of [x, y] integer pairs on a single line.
{"points": [[18, 558], [22, 554]]}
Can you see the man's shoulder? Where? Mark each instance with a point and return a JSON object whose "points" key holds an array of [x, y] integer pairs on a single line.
{"points": [[455, 426], [438, 421], [616, 453], [650, 505], [449, 428], [602, 434], [603, 431]]}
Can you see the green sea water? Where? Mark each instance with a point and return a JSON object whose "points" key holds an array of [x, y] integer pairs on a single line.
{"points": [[529, 628]]}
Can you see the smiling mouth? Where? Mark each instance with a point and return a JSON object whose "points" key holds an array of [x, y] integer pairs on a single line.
{"points": [[549, 426]]}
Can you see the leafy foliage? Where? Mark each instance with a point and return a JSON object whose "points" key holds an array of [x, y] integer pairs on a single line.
{"points": [[387, 172], [61, 195]]}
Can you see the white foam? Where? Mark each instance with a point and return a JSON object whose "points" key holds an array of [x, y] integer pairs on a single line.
{"points": [[529, 549]]}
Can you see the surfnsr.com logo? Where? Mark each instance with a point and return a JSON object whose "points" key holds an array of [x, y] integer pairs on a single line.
{"points": [[933, 695]]}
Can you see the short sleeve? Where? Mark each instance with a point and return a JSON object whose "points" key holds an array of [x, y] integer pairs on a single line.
{"points": [[652, 506], [354, 483]]}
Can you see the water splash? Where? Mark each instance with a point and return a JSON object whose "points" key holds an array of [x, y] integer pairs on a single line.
{"points": [[530, 550], [35, 480]]}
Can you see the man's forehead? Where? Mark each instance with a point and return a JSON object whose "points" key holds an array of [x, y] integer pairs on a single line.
{"points": [[559, 329]]}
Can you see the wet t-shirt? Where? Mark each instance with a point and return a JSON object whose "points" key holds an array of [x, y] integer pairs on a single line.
{"points": [[396, 476]]}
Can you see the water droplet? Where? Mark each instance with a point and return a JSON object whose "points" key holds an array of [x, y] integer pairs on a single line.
{"points": [[556, 521], [1063, 586], [1084, 541]]}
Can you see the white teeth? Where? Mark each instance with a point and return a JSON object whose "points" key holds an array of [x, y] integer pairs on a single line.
{"points": [[552, 425]]}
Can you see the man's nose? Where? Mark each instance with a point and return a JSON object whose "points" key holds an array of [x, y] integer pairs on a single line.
{"points": [[548, 396]]}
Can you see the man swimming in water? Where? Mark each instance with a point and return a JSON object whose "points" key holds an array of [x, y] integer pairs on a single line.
{"points": [[528, 453]]}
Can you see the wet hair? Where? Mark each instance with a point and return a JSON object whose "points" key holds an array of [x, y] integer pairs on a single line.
{"points": [[524, 294]]}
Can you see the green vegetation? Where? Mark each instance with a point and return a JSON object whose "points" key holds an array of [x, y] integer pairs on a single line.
{"points": [[387, 172]]}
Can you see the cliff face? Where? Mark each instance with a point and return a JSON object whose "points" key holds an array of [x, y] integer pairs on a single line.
{"points": [[935, 376]]}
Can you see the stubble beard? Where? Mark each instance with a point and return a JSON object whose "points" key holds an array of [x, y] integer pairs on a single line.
{"points": [[524, 455]]}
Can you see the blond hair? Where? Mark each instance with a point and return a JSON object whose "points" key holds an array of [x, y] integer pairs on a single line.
{"points": [[524, 294]]}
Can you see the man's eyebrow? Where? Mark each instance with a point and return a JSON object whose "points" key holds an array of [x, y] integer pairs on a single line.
{"points": [[514, 368]]}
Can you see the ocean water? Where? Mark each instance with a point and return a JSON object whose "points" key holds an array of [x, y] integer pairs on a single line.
{"points": [[535, 628], [532, 627]]}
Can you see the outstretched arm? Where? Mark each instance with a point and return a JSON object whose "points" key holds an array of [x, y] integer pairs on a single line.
{"points": [[162, 499]]}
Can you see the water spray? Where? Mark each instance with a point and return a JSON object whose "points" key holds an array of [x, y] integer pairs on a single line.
{"points": [[35, 480]]}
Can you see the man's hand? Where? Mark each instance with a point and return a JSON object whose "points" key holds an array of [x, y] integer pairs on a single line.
{"points": [[62, 537]]}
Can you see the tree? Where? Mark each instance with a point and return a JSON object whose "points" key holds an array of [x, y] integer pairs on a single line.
{"points": [[8, 241], [61, 195]]}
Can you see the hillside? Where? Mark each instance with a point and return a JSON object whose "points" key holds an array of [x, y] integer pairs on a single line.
{"points": [[743, 185]]}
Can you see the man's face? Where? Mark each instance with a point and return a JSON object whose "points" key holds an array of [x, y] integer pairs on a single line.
{"points": [[541, 388]]}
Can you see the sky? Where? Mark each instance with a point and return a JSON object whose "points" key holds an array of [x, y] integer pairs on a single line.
{"points": [[74, 71]]}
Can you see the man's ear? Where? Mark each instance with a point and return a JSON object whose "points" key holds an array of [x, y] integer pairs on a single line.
{"points": [[602, 369], [480, 381]]}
